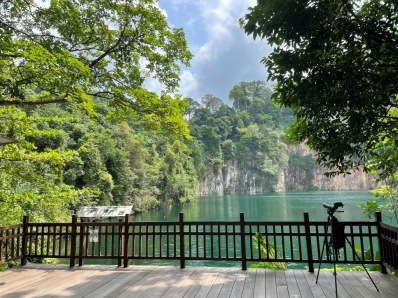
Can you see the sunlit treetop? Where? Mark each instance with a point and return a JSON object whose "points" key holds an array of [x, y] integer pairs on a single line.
{"points": [[78, 50]]}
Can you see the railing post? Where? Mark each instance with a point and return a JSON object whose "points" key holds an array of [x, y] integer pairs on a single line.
{"points": [[120, 242], [24, 239], [126, 241], [82, 245], [380, 242], [243, 240], [73, 237], [1, 246], [308, 242], [182, 240]]}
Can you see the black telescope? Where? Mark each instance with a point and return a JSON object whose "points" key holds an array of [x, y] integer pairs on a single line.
{"points": [[332, 209]]}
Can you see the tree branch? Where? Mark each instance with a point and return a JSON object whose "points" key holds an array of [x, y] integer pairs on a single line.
{"points": [[4, 103], [109, 50], [388, 40]]}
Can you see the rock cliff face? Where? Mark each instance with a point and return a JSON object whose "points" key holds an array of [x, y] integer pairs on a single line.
{"points": [[316, 180], [229, 180], [234, 179]]}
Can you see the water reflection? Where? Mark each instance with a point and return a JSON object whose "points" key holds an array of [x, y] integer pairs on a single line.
{"points": [[267, 207]]}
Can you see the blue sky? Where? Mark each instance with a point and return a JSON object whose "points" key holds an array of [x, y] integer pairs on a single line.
{"points": [[224, 55]]}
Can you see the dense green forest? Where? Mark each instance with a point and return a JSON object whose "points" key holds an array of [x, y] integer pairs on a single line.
{"points": [[65, 158]]}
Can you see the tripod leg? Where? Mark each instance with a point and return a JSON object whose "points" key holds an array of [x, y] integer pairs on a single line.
{"points": [[320, 261], [363, 265], [334, 270], [323, 249]]}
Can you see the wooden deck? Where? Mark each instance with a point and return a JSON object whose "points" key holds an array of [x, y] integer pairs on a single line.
{"points": [[167, 281]]}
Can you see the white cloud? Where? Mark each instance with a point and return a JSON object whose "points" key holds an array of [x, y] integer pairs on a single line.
{"points": [[224, 55], [189, 83], [206, 53], [153, 85]]}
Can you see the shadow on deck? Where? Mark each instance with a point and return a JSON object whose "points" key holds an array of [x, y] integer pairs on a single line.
{"points": [[35, 280]]}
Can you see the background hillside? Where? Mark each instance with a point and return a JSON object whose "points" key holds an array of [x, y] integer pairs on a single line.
{"points": [[243, 149]]}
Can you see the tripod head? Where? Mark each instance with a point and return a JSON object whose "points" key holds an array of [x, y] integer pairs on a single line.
{"points": [[331, 209]]}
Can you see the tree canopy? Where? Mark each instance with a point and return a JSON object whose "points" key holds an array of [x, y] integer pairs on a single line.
{"points": [[335, 63], [78, 50], [64, 159]]}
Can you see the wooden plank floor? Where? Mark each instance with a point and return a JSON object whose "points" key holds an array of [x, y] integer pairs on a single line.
{"points": [[161, 281]]}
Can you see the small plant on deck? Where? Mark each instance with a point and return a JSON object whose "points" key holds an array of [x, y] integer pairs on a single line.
{"points": [[267, 248]]}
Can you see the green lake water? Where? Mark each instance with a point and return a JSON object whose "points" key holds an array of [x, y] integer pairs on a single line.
{"points": [[266, 207]]}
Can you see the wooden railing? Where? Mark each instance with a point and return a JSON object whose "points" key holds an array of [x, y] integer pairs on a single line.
{"points": [[124, 241], [11, 243], [389, 246]]}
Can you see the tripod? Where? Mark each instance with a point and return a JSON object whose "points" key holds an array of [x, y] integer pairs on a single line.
{"points": [[336, 242]]}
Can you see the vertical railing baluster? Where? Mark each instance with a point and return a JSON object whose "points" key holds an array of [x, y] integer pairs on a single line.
{"points": [[54, 239], [363, 249], [98, 244], [234, 238], [226, 242], [91, 242], [7, 243], [190, 241], [291, 242], [197, 240], [106, 239], [160, 240], [275, 241], [352, 231], [66, 240], [266, 232], [146, 237], [204, 241], [82, 244], [12, 244], [372, 252], [211, 242], [167, 241], [283, 242], [133, 240], [153, 241], [300, 248], [175, 240]]}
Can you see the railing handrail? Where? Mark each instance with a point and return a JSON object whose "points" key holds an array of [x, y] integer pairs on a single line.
{"points": [[389, 227], [4, 228]]}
